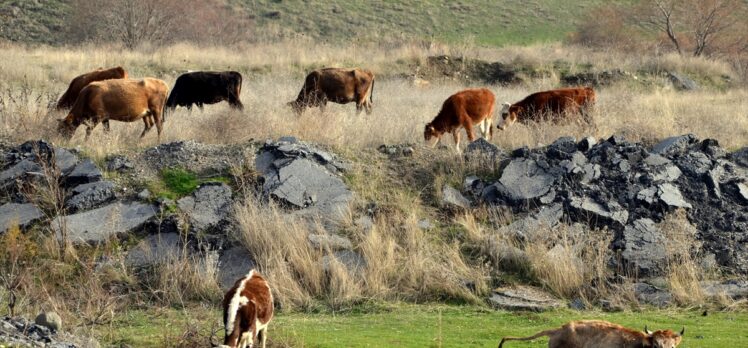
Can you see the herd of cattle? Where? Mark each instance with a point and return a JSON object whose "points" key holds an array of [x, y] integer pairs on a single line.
{"points": [[108, 94]]}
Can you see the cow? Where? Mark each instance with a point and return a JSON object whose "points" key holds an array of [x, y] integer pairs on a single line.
{"points": [[337, 85], [119, 100], [206, 87], [463, 109], [71, 94], [554, 103], [603, 334], [247, 311]]}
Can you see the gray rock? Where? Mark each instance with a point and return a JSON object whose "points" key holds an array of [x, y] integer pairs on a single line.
{"points": [[22, 215], [155, 249], [523, 298], [288, 139], [101, 224], [523, 179], [351, 260], [652, 295], [50, 320], [643, 250], [87, 196], [9, 176], [425, 224], [234, 264], [743, 191], [609, 213], [482, 149], [736, 289], [83, 173], [740, 157], [331, 242], [674, 145], [209, 208], [65, 160], [695, 163], [144, 195], [564, 144], [648, 195], [714, 178], [577, 304], [671, 196], [453, 198], [365, 222], [119, 163], [682, 82], [586, 144]]}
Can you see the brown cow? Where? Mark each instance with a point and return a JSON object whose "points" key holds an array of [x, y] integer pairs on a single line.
{"points": [[337, 85], [247, 311], [463, 109], [603, 334], [119, 100], [554, 103], [68, 98]]}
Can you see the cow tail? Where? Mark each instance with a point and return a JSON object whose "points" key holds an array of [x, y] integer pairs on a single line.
{"points": [[371, 93]]}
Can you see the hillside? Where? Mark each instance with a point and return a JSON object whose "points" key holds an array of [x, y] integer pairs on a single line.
{"points": [[483, 22]]}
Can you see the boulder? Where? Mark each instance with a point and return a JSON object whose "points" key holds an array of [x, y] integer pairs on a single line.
{"points": [[233, 264], [65, 160], [91, 195], [652, 295], [83, 173], [118, 163], [331, 242], [523, 179], [586, 144], [736, 289], [608, 213], [101, 224], [671, 197], [23, 215], [523, 298], [50, 320], [643, 248], [682, 82], [452, 198], [18, 171], [481, 149], [740, 157], [155, 249], [674, 145], [209, 209]]}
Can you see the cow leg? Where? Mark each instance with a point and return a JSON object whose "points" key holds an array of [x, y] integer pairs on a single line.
{"points": [[89, 129], [359, 108], [322, 106], [105, 124], [367, 105], [469, 131], [148, 124], [264, 337], [159, 122], [456, 137]]}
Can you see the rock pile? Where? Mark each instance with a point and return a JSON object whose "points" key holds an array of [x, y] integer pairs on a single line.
{"points": [[24, 333], [628, 188]]}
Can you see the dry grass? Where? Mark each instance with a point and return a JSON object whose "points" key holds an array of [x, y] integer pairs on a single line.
{"points": [[683, 250]]}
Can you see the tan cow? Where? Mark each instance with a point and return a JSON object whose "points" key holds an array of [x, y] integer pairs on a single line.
{"points": [[119, 100], [603, 334], [463, 110], [337, 85], [71, 94]]}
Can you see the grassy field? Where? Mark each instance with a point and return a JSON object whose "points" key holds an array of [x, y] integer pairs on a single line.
{"points": [[419, 326]]}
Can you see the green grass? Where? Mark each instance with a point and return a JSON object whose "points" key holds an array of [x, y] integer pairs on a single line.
{"points": [[427, 326], [177, 182]]}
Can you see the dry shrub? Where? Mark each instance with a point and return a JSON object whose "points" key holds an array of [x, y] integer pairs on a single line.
{"points": [[184, 278], [683, 250], [605, 26]]}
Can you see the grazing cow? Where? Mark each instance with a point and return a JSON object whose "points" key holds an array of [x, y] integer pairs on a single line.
{"points": [[463, 109], [554, 103], [119, 100], [206, 87], [71, 94], [337, 85], [603, 334], [247, 311]]}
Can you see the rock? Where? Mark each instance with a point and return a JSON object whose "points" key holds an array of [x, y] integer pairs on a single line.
{"points": [[87, 196], [23, 215], [329, 242], [83, 173], [577, 304], [523, 298], [144, 195], [118, 163], [652, 295], [99, 225], [453, 198], [481, 149], [51, 320], [682, 82], [740, 157], [671, 196], [606, 214], [352, 261], [523, 180], [563, 145], [233, 264], [643, 248], [674, 145], [425, 224], [743, 191], [288, 139], [208, 209], [9, 176], [155, 249], [610, 306], [586, 144], [65, 160], [736, 289]]}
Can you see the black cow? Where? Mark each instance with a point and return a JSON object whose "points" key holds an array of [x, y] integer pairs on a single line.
{"points": [[206, 87]]}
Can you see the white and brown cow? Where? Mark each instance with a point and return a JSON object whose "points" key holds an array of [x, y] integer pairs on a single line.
{"points": [[247, 311]]}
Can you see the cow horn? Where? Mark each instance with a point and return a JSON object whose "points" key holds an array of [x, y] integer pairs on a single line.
{"points": [[647, 330], [682, 331]]}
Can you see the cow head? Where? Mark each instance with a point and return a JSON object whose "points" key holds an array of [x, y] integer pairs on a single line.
{"points": [[664, 338], [508, 116], [66, 127], [430, 132]]}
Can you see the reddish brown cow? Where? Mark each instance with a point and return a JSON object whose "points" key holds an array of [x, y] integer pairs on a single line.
{"points": [[463, 110], [247, 311], [554, 104], [337, 85], [603, 334], [68, 98], [119, 100]]}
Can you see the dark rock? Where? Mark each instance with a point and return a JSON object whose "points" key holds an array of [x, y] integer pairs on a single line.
{"points": [[144, 195], [695, 163], [524, 179], [50, 320], [330, 242], [87, 196], [523, 298], [617, 139], [586, 144], [674, 145], [577, 304], [652, 295], [609, 213], [18, 171], [740, 157], [736, 289], [22, 215], [83, 173], [101, 224], [481, 149], [564, 145], [682, 82], [118, 163], [743, 191], [155, 249], [233, 264], [595, 78], [65, 160], [209, 208], [453, 198], [643, 248]]}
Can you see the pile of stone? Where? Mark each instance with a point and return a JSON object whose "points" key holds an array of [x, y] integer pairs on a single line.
{"points": [[43, 332]]}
